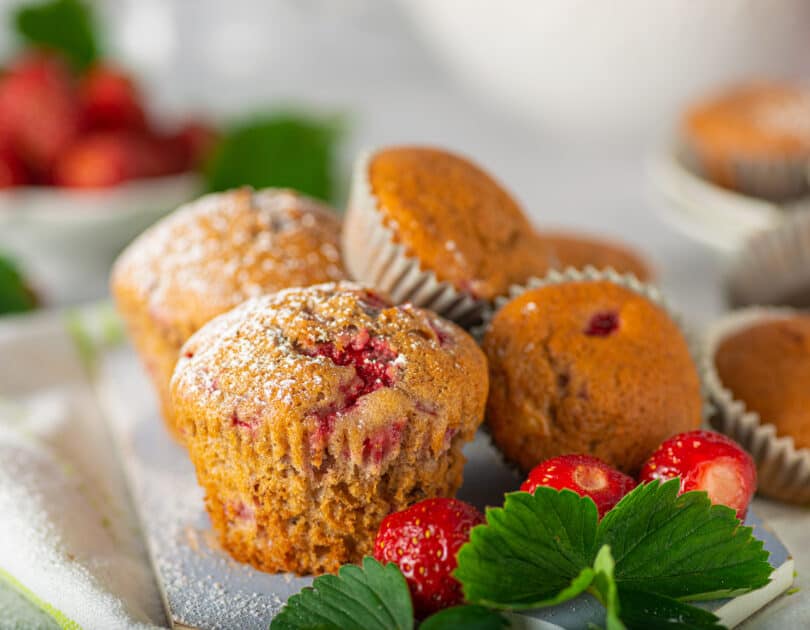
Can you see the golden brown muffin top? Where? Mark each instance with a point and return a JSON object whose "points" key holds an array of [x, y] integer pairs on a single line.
{"points": [[566, 249], [588, 366], [455, 219], [758, 119], [767, 366], [223, 248], [336, 367]]}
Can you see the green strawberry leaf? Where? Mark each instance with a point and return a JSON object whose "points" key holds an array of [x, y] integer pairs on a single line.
{"points": [[535, 551], [681, 546], [465, 618], [285, 150], [371, 597], [604, 588], [63, 26], [15, 297], [642, 610]]}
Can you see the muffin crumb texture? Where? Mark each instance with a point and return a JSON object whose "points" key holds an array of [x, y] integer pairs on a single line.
{"points": [[313, 413], [589, 368], [767, 366]]}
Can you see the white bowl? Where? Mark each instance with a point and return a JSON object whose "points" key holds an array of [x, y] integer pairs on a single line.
{"points": [[611, 70], [65, 240]]}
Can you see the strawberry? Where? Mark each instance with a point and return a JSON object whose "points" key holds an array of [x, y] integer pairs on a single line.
{"points": [[12, 170], [196, 140], [587, 476], [99, 160], [707, 461], [110, 100], [423, 541], [39, 112]]}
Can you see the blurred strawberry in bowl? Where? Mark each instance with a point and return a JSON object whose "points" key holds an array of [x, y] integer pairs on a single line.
{"points": [[109, 99]]}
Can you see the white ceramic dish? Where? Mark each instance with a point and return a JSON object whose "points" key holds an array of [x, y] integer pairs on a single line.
{"points": [[66, 240], [720, 218]]}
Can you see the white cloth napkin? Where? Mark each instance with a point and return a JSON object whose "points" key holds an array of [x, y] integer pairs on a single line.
{"points": [[68, 539]]}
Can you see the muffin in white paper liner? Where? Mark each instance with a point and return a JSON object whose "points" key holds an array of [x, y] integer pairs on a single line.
{"points": [[773, 266], [372, 256], [783, 470]]}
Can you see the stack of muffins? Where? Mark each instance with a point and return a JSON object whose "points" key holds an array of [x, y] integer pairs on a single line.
{"points": [[322, 378]]}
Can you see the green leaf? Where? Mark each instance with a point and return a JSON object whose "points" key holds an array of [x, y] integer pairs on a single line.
{"points": [[374, 597], [604, 588], [465, 618], [535, 551], [284, 150], [15, 297], [681, 546], [64, 26], [642, 610]]}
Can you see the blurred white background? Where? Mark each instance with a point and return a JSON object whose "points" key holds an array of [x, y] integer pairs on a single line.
{"points": [[562, 100]]}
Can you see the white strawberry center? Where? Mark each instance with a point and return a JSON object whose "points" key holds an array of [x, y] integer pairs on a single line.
{"points": [[721, 480], [590, 478]]}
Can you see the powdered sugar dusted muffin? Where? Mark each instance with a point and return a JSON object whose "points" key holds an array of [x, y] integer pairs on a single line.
{"points": [[211, 255], [588, 367], [313, 413]]}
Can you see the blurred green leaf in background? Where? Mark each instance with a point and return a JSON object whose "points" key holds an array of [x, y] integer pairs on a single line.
{"points": [[63, 26], [283, 149], [15, 296]]}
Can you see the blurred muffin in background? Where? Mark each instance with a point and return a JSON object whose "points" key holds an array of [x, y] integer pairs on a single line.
{"points": [[752, 138], [570, 249], [210, 256]]}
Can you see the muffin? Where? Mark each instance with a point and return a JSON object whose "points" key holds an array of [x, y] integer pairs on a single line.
{"points": [[587, 367], [565, 250], [756, 364], [426, 226], [211, 255], [314, 412], [753, 138], [767, 366]]}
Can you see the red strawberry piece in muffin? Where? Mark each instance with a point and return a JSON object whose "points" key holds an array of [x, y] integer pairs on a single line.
{"points": [[323, 410], [39, 110], [586, 475], [423, 541], [706, 461]]}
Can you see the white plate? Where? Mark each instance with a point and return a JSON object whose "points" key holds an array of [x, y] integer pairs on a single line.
{"points": [[720, 218], [66, 240]]}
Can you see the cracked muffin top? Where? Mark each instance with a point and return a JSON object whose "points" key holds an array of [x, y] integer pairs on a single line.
{"points": [[767, 366], [223, 248], [333, 372], [455, 219], [587, 367]]}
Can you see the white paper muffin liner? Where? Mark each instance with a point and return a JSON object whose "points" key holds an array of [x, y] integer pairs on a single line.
{"points": [[783, 470], [373, 257], [628, 281], [773, 266], [776, 180]]}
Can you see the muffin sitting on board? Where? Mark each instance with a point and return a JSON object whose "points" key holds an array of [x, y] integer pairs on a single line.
{"points": [[759, 378], [313, 413], [587, 367], [211, 255], [753, 138], [429, 227]]}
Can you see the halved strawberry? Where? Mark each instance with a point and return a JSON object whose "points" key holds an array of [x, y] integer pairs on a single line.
{"points": [[586, 475], [705, 460], [98, 160], [424, 540]]}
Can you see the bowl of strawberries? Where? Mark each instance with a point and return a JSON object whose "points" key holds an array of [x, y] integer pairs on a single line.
{"points": [[83, 169]]}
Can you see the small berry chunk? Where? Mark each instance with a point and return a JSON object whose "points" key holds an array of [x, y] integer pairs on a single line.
{"points": [[423, 541], [709, 461], [586, 475]]}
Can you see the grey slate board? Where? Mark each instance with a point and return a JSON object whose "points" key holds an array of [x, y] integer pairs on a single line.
{"points": [[204, 588]]}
